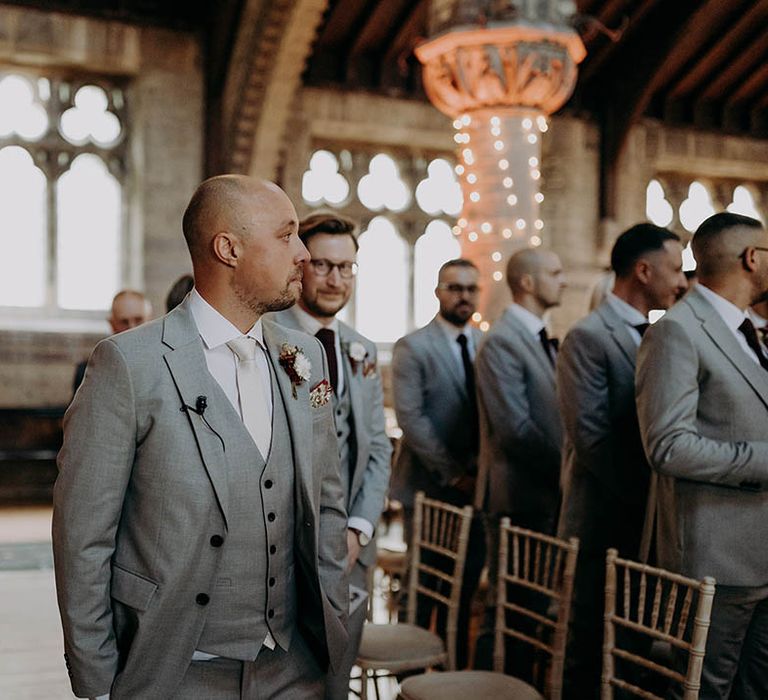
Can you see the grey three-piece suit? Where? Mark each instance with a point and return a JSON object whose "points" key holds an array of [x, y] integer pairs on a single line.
{"points": [[172, 534], [365, 452], [520, 428], [439, 444], [703, 411], [605, 475]]}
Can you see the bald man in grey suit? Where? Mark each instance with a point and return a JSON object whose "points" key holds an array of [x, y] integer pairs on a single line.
{"points": [[199, 528], [520, 427], [702, 400]]}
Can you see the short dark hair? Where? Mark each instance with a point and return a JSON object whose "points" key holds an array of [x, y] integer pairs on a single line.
{"points": [[456, 262], [327, 222], [717, 223], [634, 242], [181, 287]]}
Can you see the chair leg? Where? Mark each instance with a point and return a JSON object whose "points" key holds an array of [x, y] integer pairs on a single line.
{"points": [[376, 685], [363, 684]]}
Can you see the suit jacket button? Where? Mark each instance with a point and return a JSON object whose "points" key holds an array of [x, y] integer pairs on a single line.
{"points": [[272, 581], [202, 599], [272, 549], [307, 523], [271, 517], [217, 541], [271, 614], [268, 484]]}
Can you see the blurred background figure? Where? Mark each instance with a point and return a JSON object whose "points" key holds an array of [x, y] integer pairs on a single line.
{"points": [[181, 287], [129, 309]]}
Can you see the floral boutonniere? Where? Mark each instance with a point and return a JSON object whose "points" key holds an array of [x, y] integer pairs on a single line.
{"points": [[358, 356], [296, 365], [320, 394]]}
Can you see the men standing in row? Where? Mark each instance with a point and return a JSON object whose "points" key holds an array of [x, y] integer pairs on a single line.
{"points": [[364, 447], [433, 381], [199, 528], [129, 309], [702, 401], [520, 429], [605, 473]]}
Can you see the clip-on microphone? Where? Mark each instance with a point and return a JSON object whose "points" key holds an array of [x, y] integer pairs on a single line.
{"points": [[201, 403]]}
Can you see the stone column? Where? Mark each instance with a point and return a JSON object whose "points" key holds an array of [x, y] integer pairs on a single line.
{"points": [[499, 82]]}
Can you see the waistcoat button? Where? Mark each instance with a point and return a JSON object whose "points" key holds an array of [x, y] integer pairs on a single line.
{"points": [[202, 599], [271, 517], [217, 541]]}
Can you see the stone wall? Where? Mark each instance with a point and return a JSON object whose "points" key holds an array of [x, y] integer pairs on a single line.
{"points": [[165, 100]]}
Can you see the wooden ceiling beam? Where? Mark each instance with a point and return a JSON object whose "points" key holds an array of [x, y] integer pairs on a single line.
{"points": [[375, 31], [751, 22], [344, 14], [753, 87], [737, 69], [412, 29]]}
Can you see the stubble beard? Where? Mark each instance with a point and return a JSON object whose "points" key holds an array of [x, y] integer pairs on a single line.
{"points": [[284, 300]]}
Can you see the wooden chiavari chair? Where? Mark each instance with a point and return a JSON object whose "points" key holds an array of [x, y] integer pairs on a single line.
{"points": [[646, 602], [542, 567], [440, 536]]}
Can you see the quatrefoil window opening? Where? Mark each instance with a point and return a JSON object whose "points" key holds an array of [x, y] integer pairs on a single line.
{"points": [[382, 187], [90, 119], [323, 182]]}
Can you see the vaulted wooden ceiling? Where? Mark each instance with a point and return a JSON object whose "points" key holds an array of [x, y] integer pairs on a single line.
{"points": [[700, 63]]}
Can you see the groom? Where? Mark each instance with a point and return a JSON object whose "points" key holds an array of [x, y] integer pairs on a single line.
{"points": [[199, 525]]}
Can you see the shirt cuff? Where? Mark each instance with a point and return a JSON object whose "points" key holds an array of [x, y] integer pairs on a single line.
{"points": [[355, 523]]}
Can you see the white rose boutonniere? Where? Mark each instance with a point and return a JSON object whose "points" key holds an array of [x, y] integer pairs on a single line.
{"points": [[296, 365], [358, 357]]}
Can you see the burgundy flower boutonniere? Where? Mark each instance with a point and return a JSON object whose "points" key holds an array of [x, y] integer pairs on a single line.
{"points": [[296, 365]]}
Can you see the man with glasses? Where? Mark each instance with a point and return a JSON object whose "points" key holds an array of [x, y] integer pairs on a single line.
{"points": [[702, 404], [433, 380], [364, 448]]}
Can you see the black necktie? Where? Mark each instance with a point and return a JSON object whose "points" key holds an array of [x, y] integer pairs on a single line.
{"points": [[549, 345], [469, 379], [749, 332], [327, 339], [641, 328]]}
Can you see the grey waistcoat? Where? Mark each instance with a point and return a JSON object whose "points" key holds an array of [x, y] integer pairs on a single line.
{"points": [[255, 588]]}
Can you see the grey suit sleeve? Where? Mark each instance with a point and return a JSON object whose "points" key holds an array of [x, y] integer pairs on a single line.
{"points": [[408, 384], [667, 402], [582, 381], [501, 387], [94, 470], [370, 498]]}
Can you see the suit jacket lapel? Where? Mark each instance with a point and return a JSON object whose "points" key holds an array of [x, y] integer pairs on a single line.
{"points": [[187, 365], [443, 351], [714, 326], [297, 410], [620, 334], [534, 346], [354, 387]]}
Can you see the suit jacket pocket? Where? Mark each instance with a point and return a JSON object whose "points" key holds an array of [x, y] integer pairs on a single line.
{"points": [[131, 589]]}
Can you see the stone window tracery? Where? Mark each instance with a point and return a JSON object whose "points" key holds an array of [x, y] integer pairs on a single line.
{"points": [[63, 152], [405, 203]]}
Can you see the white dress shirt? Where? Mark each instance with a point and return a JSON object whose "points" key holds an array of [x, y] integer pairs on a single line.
{"points": [[732, 316], [629, 314], [530, 320], [311, 325]]}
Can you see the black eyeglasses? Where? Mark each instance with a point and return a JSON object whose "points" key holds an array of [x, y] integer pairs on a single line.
{"points": [[323, 268], [459, 288], [754, 247]]}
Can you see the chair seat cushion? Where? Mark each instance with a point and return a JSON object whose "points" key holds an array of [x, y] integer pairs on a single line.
{"points": [[399, 643], [461, 685]]}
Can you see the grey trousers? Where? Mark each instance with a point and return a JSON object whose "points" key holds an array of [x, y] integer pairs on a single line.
{"points": [[337, 686], [291, 675], [736, 661]]}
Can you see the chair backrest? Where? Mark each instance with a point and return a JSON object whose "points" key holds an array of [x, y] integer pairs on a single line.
{"points": [[438, 553], [533, 597], [643, 601]]}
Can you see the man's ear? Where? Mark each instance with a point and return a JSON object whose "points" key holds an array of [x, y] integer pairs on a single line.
{"points": [[527, 283], [643, 270], [226, 248]]}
